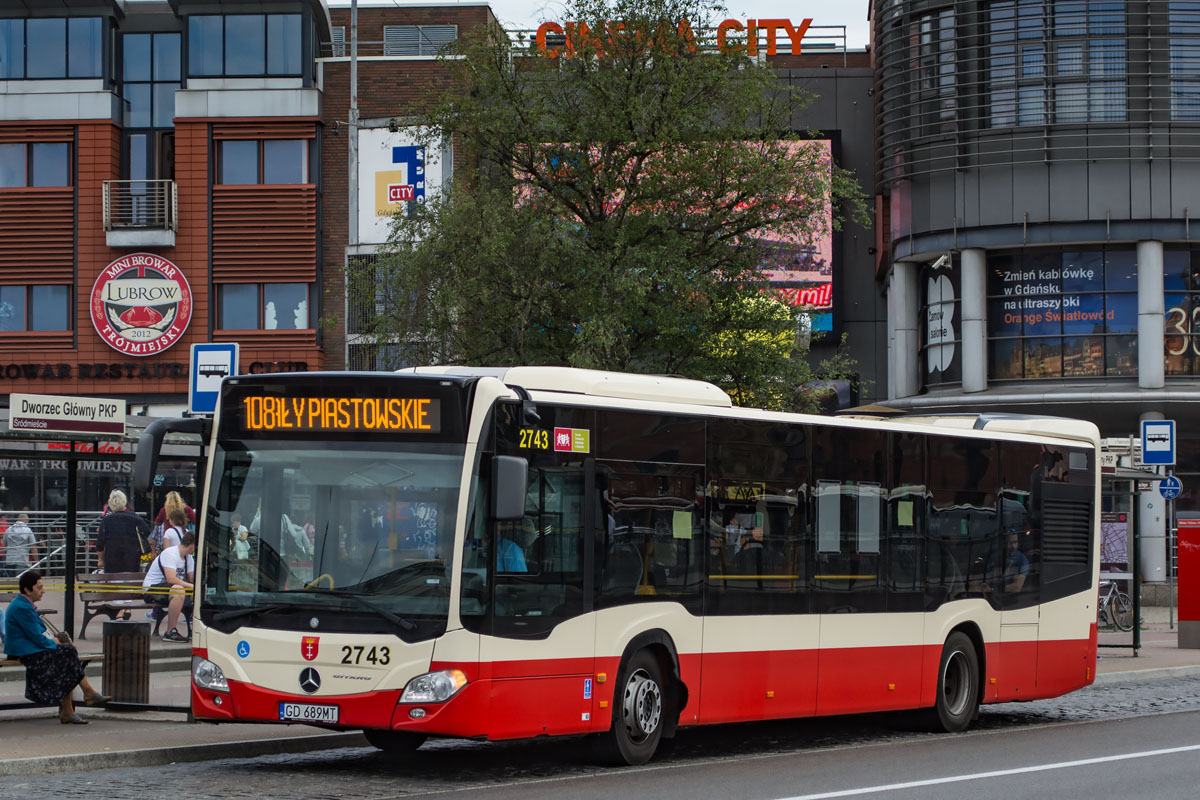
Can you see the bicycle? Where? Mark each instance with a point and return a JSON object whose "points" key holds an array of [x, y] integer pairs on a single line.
{"points": [[1115, 607]]}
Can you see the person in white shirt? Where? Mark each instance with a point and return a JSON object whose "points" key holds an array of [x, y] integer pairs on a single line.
{"points": [[169, 582], [176, 525]]}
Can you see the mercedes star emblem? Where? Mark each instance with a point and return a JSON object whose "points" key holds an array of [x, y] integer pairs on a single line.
{"points": [[310, 680]]}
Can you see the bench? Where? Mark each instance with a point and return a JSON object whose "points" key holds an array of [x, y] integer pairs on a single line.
{"points": [[113, 593], [9, 663]]}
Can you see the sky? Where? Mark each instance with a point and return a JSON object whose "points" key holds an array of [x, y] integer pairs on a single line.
{"points": [[528, 14]]}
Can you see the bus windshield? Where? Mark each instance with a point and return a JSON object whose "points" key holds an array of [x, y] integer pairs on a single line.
{"points": [[353, 527]]}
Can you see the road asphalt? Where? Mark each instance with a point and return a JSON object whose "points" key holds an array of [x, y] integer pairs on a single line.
{"points": [[34, 742]]}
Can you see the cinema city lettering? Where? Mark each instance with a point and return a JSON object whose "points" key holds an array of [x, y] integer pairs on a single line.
{"points": [[141, 304], [579, 35]]}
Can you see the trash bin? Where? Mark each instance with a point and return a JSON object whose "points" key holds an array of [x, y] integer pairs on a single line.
{"points": [[127, 661]]}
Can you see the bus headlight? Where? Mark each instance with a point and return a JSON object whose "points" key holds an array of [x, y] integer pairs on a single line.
{"points": [[434, 687], [208, 675]]}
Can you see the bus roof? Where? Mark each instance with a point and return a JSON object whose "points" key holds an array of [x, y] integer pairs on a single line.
{"points": [[595, 383]]}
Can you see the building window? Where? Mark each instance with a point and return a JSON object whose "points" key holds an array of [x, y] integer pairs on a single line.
{"points": [[1181, 322], [245, 45], [417, 40], [338, 41], [35, 164], [936, 69], [34, 308], [264, 306], [1056, 61], [1056, 313], [150, 77], [1184, 27], [265, 161], [51, 48]]}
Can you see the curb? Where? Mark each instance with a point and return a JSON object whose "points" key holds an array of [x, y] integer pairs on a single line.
{"points": [[1134, 676], [250, 748]]}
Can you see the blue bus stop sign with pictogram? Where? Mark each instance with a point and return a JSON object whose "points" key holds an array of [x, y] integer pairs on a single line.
{"points": [[1158, 442], [1170, 487], [211, 364]]}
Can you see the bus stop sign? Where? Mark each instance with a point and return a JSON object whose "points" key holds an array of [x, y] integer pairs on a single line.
{"points": [[1158, 442], [210, 364]]}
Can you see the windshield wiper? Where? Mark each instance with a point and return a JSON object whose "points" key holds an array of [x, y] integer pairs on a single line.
{"points": [[399, 622], [226, 616]]}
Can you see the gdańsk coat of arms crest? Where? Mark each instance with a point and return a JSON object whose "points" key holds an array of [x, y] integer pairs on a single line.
{"points": [[141, 304]]}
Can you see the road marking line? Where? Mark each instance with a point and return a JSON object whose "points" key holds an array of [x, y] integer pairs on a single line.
{"points": [[891, 787]]}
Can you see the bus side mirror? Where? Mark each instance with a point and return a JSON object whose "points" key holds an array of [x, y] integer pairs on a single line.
{"points": [[146, 462], [509, 483]]}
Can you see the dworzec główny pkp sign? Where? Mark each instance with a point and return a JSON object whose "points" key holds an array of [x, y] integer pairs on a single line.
{"points": [[54, 413]]}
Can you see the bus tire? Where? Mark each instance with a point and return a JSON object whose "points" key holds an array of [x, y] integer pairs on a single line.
{"points": [[957, 686], [394, 742], [640, 710]]}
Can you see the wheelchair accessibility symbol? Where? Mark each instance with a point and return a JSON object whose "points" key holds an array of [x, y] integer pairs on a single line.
{"points": [[243, 649]]}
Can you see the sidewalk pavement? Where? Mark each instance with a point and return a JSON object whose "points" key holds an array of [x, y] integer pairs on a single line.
{"points": [[34, 742]]}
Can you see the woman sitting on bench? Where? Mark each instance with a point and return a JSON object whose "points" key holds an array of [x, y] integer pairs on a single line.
{"points": [[52, 669]]}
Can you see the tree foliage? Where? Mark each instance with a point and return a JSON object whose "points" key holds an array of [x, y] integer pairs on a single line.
{"points": [[602, 223]]}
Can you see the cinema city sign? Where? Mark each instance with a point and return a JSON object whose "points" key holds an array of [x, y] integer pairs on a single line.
{"points": [[577, 33]]}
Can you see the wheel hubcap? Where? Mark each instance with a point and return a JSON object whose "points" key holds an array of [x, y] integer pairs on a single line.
{"points": [[642, 705], [956, 683]]}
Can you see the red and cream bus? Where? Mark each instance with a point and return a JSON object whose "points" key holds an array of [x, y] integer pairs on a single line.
{"points": [[506, 553]]}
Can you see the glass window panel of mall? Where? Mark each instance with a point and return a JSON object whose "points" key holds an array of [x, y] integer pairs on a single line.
{"points": [[1183, 24], [1062, 313], [150, 76], [1056, 61], [1181, 318]]}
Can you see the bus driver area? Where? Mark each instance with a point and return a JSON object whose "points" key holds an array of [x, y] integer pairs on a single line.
{"points": [[506, 553]]}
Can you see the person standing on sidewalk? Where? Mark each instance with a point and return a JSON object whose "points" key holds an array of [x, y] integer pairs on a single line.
{"points": [[123, 538], [52, 669], [169, 582], [20, 547]]}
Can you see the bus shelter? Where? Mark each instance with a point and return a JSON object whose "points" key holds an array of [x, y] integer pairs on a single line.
{"points": [[1121, 541], [60, 482]]}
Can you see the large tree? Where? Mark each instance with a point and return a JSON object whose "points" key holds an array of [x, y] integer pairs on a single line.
{"points": [[616, 177]]}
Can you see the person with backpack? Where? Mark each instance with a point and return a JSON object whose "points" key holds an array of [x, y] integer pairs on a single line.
{"points": [[173, 533], [123, 537]]}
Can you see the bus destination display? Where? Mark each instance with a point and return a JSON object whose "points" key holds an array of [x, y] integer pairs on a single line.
{"points": [[274, 413]]}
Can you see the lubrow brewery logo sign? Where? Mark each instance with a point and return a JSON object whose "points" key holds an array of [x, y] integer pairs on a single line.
{"points": [[141, 304]]}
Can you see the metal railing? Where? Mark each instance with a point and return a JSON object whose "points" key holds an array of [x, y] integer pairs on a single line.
{"points": [[141, 204], [50, 529], [962, 86]]}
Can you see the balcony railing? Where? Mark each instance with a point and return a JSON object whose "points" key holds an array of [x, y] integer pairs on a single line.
{"points": [[145, 205], [140, 213]]}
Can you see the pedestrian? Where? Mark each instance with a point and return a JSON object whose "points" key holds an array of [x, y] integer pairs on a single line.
{"points": [[123, 538], [20, 547], [52, 669], [169, 582], [173, 501]]}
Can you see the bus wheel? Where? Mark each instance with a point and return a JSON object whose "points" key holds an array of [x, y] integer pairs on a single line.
{"points": [[394, 742], [957, 686], [639, 708]]}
